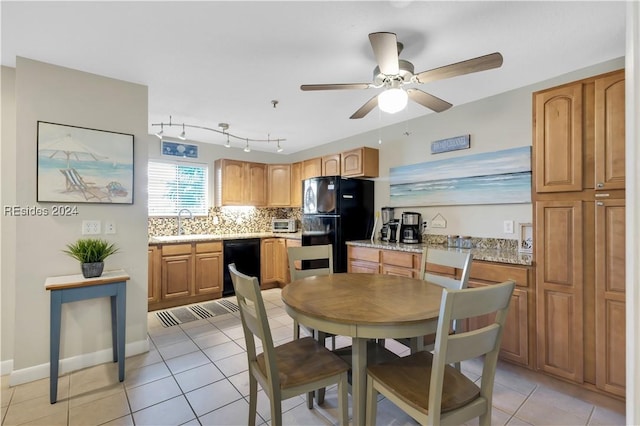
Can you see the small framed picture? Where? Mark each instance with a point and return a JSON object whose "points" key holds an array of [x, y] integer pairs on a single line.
{"points": [[178, 149], [525, 238]]}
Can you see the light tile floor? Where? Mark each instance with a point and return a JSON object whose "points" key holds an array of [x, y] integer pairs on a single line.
{"points": [[195, 374]]}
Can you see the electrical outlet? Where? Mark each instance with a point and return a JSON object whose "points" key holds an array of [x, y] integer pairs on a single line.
{"points": [[90, 227], [109, 227], [507, 227]]}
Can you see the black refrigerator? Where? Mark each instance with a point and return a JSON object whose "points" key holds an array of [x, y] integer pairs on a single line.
{"points": [[336, 210]]}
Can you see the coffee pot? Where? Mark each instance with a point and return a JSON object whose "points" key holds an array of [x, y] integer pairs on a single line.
{"points": [[411, 228]]}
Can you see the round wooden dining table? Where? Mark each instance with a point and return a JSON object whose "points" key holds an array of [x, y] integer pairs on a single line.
{"points": [[364, 306]]}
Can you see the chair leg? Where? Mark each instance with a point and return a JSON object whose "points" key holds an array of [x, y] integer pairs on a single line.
{"points": [[485, 419], [310, 400], [371, 404], [253, 400], [296, 330], [333, 343], [276, 411], [343, 402]]}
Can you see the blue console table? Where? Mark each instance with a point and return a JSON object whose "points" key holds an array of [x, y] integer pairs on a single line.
{"points": [[71, 288]]}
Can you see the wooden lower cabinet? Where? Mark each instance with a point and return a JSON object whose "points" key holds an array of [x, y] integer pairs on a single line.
{"points": [[208, 269], [274, 262], [154, 274], [363, 260], [400, 263], [581, 291], [189, 273], [518, 340], [610, 317]]}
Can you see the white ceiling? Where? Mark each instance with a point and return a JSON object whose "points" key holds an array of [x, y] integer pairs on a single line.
{"points": [[212, 62]]}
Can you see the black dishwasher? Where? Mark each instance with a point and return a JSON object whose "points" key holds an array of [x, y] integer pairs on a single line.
{"points": [[245, 253]]}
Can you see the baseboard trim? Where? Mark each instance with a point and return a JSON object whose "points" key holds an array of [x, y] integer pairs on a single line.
{"points": [[6, 367], [78, 362]]}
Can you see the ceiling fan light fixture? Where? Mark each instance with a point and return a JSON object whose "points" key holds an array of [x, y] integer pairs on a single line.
{"points": [[392, 100]]}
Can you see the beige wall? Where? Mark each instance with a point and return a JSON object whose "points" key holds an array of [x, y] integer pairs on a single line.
{"points": [[7, 223], [61, 95], [495, 123]]}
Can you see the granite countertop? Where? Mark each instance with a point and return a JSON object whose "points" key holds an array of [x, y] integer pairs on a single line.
{"points": [[487, 254], [170, 239]]}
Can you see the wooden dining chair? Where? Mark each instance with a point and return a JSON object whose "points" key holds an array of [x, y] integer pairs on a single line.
{"points": [[294, 368], [452, 259], [298, 255], [425, 385]]}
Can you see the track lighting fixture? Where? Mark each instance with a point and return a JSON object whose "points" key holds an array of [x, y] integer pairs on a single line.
{"points": [[224, 127]]}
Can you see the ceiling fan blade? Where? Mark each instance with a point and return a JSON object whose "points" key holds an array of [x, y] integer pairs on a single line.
{"points": [[385, 48], [308, 87], [481, 63], [366, 108], [427, 100]]}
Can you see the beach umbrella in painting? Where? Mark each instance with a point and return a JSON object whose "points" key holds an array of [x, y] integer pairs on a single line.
{"points": [[71, 149]]}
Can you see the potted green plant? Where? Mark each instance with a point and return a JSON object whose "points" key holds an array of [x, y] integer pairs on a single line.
{"points": [[91, 252]]}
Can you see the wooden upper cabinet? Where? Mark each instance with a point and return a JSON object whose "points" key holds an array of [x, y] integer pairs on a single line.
{"points": [[360, 162], [558, 139], [312, 168], [609, 123], [230, 176], [296, 185], [256, 184], [331, 165], [279, 185], [240, 183]]}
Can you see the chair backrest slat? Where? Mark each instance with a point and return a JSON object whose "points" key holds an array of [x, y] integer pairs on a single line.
{"points": [[319, 252], [451, 258]]}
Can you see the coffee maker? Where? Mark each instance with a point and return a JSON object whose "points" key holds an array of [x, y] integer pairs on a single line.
{"points": [[411, 228], [387, 220]]}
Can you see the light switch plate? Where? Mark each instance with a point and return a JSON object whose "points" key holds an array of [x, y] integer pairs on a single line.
{"points": [[507, 227], [109, 227]]}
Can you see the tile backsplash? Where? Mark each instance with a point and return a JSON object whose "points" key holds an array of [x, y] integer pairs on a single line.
{"points": [[240, 220], [224, 220]]}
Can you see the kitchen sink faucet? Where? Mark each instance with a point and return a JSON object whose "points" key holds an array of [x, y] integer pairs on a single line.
{"points": [[180, 219]]}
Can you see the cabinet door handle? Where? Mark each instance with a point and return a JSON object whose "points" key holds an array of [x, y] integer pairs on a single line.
{"points": [[600, 185], [601, 195], [599, 203]]}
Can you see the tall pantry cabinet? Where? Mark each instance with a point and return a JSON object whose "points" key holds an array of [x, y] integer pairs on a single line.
{"points": [[579, 209]]}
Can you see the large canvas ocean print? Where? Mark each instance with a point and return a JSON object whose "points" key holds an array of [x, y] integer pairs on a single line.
{"points": [[499, 177]]}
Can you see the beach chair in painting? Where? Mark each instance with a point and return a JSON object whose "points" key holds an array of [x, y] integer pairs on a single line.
{"points": [[89, 190]]}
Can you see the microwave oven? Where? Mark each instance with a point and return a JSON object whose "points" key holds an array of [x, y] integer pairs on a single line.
{"points": [[283, 225]]}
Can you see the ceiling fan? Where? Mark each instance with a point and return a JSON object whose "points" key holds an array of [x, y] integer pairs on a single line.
{"points": [[393, 73]]}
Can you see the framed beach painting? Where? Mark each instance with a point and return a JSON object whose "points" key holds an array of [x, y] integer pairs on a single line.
{"points": [[498, 177], [81, 165]]}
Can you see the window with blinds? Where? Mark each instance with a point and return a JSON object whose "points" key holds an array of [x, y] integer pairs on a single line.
{"points": [[173, 187]]}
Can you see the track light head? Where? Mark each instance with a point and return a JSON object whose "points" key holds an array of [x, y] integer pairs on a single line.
{"points": [[161, 132], [183, 135]]}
